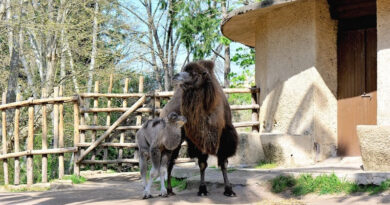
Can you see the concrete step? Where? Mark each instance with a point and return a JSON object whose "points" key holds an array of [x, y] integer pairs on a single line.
{"points": [[247, 176]]}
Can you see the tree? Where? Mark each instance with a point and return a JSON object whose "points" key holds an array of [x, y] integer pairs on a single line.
{"points": [[160, 39]]}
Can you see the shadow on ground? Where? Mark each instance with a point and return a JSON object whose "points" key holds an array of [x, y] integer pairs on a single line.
{"points": [[126, 188]]}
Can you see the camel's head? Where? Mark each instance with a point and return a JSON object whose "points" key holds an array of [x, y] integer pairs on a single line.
{"points": [[179, 120], [195, 74]]}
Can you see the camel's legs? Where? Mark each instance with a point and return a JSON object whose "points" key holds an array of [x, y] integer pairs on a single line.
{"points": [[163, 169], [228, 187], [171, 162], [202, 160], [155, 156], [143, 163]]}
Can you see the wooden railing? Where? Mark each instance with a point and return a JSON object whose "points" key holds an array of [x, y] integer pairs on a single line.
{"points": [[86, 127]]}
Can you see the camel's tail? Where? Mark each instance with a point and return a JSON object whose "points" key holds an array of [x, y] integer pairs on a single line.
{"points": [[228, 143]]}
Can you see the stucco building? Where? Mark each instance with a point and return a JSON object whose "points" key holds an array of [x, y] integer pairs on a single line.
{"points": [[323, 67]]}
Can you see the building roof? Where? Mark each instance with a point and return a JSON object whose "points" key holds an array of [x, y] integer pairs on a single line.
{"points": [[239, 24]]}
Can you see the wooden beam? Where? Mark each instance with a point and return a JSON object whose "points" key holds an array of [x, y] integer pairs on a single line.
{"points": [[44, 137], [97, 127], [61, 165], [76, 136], [110, 144], [30, 145], [4, 138], [114, 161], [246, 124], [32, 101], [39, 152], [122, 136], [114, 109], [16, 142], [112, 127]]}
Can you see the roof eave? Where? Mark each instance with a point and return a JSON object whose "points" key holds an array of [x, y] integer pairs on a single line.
{"points": [[239, 26]]}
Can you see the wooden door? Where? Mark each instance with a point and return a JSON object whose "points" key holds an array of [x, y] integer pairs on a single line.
{"points": [[357, 65]]}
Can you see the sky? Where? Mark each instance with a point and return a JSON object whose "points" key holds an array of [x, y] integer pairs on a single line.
{"points": [[182, 54]]}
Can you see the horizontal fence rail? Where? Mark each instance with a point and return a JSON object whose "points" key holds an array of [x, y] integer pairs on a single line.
{"points": [[44, 127]]}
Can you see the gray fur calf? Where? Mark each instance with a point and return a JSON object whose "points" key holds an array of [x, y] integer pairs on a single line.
{"points": [[156, 140]]}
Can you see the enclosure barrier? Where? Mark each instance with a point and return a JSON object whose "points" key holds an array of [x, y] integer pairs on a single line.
{"points": [[16, 131]]}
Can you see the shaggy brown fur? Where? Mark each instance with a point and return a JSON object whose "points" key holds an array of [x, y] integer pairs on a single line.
{"points": [[209, 127], [206, 108]]}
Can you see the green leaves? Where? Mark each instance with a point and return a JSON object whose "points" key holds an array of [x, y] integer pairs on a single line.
{"points": [[198, 27], [244, 57]]}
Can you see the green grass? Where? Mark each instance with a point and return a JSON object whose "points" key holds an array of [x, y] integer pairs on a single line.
{"points": [[282, 183], [323, 184], [24, 188], [111, 171], [231, 169], [75, 179], [265, 165], [179, 184]]}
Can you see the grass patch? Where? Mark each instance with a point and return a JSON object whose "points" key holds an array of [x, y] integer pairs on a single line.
{"points": [[282, 183], [111, 171], [323, 184], [179, 184], [265, 165], [25, 188], [231, 169], [75, 179]]}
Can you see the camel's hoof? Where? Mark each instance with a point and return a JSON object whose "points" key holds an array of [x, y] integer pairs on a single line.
{"points": [[170, 192], [163, 195], [229, 192], [202, 190], [147, 196]]}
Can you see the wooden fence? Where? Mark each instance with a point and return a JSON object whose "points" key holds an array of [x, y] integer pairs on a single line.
{"points": [[86, 123]]}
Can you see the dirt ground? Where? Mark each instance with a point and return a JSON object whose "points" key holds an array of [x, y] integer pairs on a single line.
{"points": [[125, 188]]}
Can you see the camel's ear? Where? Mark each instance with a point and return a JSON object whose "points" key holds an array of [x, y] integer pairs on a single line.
{"points": [[207, 64]]}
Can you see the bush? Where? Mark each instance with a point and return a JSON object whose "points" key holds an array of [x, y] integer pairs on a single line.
{"points": [[323, 184]]}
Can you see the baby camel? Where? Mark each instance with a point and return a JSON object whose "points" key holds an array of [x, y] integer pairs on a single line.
{"points": [[156, 140]]}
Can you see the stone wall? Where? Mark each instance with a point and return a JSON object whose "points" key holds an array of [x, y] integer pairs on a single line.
{"points": [[296, 69], [383, 83]]}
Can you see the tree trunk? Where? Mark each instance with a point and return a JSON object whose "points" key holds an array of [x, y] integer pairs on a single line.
{"points": [[71, 63], [227, 67], [94, 49], [227, 51], [9, 27], [13, 76], [2, 8]]}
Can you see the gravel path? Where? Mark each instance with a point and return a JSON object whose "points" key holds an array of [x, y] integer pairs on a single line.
{"points": [[126, 188]]}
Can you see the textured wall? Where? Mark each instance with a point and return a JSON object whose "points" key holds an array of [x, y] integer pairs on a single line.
{"points": [[383, 84], [296, 70], [374, 145]]}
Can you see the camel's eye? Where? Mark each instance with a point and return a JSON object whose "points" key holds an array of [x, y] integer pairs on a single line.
{"points": [[204, 73]]}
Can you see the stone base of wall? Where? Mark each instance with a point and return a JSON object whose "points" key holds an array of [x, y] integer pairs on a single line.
{"points": [[249, 151], [288, 150], [375, 147]]}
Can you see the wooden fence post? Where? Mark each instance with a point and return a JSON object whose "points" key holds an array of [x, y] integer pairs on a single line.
{"points": [[30, 145], [139, 116], [55, 120], [82, 132], [108, 122], [16, 142], [122, 136], [157, 102], [44, 137], [76, 136], [4, 137], [95, 122], [255, 112], [61, 166]]}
